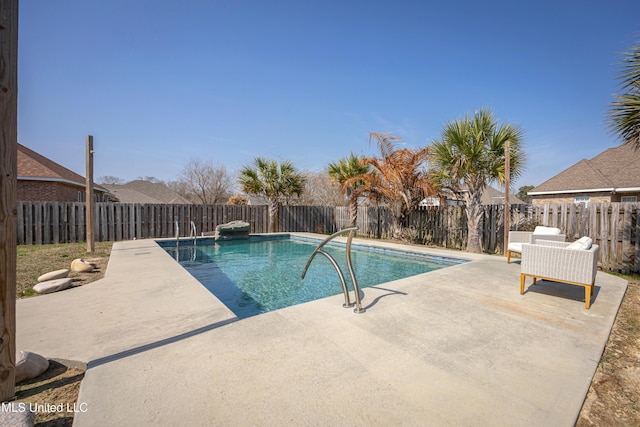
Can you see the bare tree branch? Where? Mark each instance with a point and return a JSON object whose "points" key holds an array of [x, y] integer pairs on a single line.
{"points": [[203, 183]]}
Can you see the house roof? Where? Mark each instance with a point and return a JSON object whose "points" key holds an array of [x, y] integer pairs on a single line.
{"points": [[140, 191], [492, 196], [256, 200], [615, 169], [36, 167]]}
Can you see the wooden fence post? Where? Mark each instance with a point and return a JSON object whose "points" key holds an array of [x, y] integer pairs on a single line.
{"points": [[8, 193], [90, 202], [507, 189]]}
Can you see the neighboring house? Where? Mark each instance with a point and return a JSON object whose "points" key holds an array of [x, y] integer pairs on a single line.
{"points": [[490, 196], [612, 176], [42, 180], [140, 191], [256, 200]]}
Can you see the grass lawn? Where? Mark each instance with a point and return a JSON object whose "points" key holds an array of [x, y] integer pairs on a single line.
{"points": [[35, 260]]}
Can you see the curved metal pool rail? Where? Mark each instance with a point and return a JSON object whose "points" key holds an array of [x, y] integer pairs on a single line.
{"points": [[194, 232], [177, 241], [345, 289]]}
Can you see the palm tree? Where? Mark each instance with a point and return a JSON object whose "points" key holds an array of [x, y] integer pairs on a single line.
{"points": [[624, 115], [399, 178], [469, 156], [274, 181], [343, 170]]}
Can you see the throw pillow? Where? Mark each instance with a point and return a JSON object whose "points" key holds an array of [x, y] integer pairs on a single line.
{"points": [[582, 244], [546, 230]]}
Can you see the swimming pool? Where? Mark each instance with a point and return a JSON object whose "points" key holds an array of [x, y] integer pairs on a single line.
{"points": [[263, 274]]}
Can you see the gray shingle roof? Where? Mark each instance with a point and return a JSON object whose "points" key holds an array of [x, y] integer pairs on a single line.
{"points": [[493, 196], [617, 167], [140, 191]]}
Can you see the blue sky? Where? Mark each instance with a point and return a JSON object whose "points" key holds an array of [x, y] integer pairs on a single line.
{"points": [[158, 83]]}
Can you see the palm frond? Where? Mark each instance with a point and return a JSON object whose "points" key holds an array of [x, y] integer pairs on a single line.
{"points": [[270, 179], [624, 113], [471, 152]]}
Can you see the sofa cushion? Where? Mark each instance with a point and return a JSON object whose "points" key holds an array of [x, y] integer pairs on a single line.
{"points": [[546, 230], [515, 247], [582, 244]]}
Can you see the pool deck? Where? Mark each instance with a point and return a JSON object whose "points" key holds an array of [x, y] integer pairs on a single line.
{"points": [[457, 346]]}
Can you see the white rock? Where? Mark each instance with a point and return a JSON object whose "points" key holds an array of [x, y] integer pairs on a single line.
{"points": [[52, 285], [19, 415], [29, 365], [53, 275], [81, 266]]}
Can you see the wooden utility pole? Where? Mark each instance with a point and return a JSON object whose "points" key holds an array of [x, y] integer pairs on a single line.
{"points": [[8, 193], [90, 203], [507, 185]]}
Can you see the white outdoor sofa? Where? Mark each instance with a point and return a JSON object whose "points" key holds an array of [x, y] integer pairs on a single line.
{"points": [[518, 238], [573, 263]]}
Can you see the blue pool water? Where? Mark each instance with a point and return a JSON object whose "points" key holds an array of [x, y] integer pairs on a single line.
{"points": [[255, 276]]}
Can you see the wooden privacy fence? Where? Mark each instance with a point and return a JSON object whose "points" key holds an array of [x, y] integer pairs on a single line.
{"points": [[55, 222], [613, 226], [435, 226], [313, 219]]}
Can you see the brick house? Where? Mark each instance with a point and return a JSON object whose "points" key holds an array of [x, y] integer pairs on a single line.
{"points": [[43, 180], [611, 176]]}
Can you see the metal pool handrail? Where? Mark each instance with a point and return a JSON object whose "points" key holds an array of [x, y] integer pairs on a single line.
{"points": [[194, 232], [356, 289]]}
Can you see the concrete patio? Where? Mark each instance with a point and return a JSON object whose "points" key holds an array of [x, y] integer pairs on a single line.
{"points": [[457, 346]]}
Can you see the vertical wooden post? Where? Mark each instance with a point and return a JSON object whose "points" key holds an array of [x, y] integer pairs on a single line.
{"points": [[90, 203], [8, 193], [507, 190]]}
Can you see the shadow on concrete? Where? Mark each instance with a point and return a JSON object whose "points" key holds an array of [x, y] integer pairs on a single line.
{"points": [[153, 345], [379, 297], [561, 290]]}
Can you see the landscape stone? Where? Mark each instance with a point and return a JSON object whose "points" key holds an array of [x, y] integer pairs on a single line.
{"points": [[19, 415], [233, 230], [81, 266], [53, 275], [29, 365], [52, 285]]}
